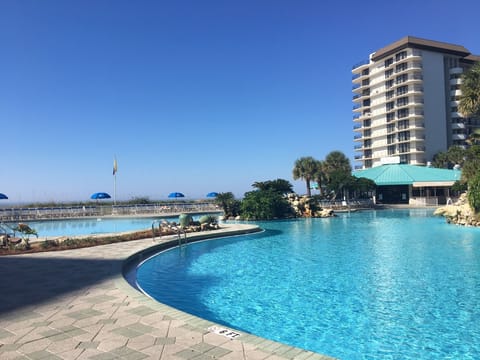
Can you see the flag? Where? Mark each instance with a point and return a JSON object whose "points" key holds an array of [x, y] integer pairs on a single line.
{"points": [[114, 166]]}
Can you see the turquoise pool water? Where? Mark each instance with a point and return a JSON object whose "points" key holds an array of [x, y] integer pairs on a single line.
{"points": [[367, 285], [92, 226]]}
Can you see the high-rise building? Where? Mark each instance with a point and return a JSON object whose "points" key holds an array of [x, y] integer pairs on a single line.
{"points": [[406, 98]]}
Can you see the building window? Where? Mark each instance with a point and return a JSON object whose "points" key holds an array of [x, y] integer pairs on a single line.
{"points": [[404, 136], [390, 105], [404, 159], [401, 55], [365, 82], [404, 148], [390, 139], [401, 67], [367, 153], [402, 101], [388, 73], [388, 62], [402, 113], [367, 123], [388, 84], [368, 163], [402, 90], [390, 116], [390, 128], [389, 94], [367, 133], [367, 143], [401, 78], [391, 150], [403, 124]]}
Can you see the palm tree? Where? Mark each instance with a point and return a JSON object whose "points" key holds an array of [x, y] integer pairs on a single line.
{"points": [[474, 137], [470, 99], [320, 176], [337, 170], [305, 169], [336, 161]]}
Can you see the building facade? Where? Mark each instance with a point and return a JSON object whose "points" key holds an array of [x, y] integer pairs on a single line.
{"points": [[406, 100]]}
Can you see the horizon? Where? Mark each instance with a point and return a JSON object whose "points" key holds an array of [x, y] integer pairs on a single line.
{"points": [[190, 97]]}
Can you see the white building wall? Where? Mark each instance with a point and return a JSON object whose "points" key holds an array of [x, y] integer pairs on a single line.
{"points": [[434, 103]]}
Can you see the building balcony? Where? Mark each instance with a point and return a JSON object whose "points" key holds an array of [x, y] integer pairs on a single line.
{"points": [[456, 114], [358, 157], [459, 137], [357, 147], [457, 92], [357, 137], [357, 127], [361, 65], [456, 81], [457, 70], [458, 126]]}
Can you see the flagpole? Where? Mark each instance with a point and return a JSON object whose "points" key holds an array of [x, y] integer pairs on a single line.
{"points": [[114, 180]]}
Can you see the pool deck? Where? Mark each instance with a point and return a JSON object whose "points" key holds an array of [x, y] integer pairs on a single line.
{"points": [[76, 304]]}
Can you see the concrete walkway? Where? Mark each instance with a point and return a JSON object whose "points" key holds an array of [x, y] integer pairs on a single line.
{"points": [[75, 304]]}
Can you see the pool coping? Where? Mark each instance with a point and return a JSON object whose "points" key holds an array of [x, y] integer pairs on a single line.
{"points": [[112, 319]]}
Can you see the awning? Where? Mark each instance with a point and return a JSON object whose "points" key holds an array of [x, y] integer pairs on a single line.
{"points": [[432, 183]]}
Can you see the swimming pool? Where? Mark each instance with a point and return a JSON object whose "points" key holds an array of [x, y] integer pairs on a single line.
{"points": [[366, 285], [92, 226]]}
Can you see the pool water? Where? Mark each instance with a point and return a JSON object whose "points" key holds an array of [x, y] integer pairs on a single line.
{"points": [[91, 226], [390, 284]]}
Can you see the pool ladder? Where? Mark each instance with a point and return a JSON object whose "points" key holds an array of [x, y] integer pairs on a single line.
{"points": [[180, 231]]}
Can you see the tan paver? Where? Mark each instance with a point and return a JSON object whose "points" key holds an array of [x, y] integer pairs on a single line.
{"points": [[75, 304]]}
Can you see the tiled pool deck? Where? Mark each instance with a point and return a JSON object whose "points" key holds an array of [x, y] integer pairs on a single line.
{"points": [[75, 304]]}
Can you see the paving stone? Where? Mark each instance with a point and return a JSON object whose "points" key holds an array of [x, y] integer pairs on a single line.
{"points": [[202, 347], [88, 344], [84, 314], [142, 310], [99, 299], [42, 355], [141, 328], [127, 332], [217, 352], [9, 347], [188, 354], [127, 353], [165, 341], [4, 334]]}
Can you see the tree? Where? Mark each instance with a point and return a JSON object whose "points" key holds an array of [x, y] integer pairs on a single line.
{"points": [[474, 137], [229, 205], [455, 155], [337, 171], [305, 169], [279, 185], [320, 177], [265, 205], [474, 193], [471, 166], [470, 99]]}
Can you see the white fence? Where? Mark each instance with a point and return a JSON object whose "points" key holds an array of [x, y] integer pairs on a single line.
{"points": [[24, 214]]}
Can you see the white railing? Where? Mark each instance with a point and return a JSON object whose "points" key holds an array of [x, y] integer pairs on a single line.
{"points": [[31, 214]]}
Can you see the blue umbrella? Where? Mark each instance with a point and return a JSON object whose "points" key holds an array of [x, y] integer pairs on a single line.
{"points": [[3, 196], [176, 195], [100, 195], [212, 194]]}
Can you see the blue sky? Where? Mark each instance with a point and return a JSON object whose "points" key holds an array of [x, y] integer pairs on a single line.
{"points": [[190, 96]]}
